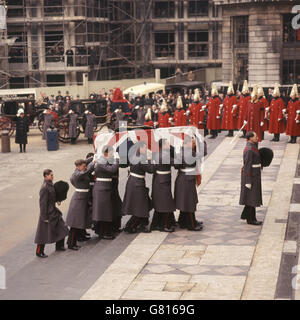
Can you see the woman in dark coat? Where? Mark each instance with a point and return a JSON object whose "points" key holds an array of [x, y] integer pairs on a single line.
{"points": [[163, 202], [22, 128], [136, 200], [51, 226], [251, 194], [185, 194], [103, 207]]}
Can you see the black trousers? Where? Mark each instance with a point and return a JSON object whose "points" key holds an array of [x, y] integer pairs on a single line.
{"points": [[162, 220], [74, 234], [249, 214], [90, 140], [103, 228], [22, 147], [187, 220], [41, 247], [73, 140], [134, 223]]}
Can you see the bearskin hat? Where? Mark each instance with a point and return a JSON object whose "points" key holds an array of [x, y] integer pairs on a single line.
{"points": [[61, 190], [266, 156]]}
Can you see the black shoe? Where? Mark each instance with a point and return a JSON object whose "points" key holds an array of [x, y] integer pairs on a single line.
{"points": [[199, 222], [60, 249], [73, 248], [41, 255], [167, 229], [196, 228], [108, 237], [81, 239], [143, 229], [87, 234], [119, 230], [255, 223]]}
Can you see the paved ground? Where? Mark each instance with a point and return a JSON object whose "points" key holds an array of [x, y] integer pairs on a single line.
{"points": [[227, 260]]}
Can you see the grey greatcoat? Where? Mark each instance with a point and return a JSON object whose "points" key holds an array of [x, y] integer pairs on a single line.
{"points": [[185, 194], [162, 197], [48, 121], [73, 125], [116, 200], [55, 229], [103, 209], [78, 214], [140, 117], [89, 127], [136, 200], [251, 174]]}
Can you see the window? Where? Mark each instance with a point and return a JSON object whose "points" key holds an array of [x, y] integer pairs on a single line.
{"points": [[198, 44], [241, 31], [291, 71], [164, 9], [289, 35], [54, 80], [164, 44], [241, 67], [15, 83], [53, 8], [18, 51], [54, 46], [16, 8], [198, 8]]}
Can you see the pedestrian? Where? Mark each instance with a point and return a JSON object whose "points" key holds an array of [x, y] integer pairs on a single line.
{"points": [[51, 226], [90, 122], [77, 217], [103, 209], [293, 115], [185, 192], [73, 124], [251, 193], [137, 202], [162, 198], [22, 129], [48, 122]]}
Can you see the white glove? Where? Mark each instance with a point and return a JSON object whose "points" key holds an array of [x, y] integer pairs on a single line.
{"points": [[155, 123], [117, 110], [200, 122], [283, 111], [267, 109], [203, 107], [47, 221], [170, 119], [221, 105], [188, 112], [298, 111], [279, 119], [245, 122], [297, 121], [136, 107], [156, 111], [261, 124], [218, 117], [234, 106], [248, 185]]}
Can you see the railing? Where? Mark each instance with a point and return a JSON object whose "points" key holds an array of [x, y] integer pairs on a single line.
{"points": [[197, 75]]}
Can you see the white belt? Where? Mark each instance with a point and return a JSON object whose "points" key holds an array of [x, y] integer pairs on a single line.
{"points": [[188, 170], [82, 190], [163, 172], [104, 179], [137, 175], [256, 165]]}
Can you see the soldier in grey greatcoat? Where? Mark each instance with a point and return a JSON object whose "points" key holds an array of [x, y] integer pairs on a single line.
{"points": [[185, 193], [162, 198], [251, 193], [89, 125], [77, 218], [48, 122], [136, 200], [51, 226], [117, 203], [139, 114], [103, 209], [73, 124]]}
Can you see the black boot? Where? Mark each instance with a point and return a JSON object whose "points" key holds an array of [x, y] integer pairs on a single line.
{"points": [[252, 217], [277, 135], [40, 251], [20, 148], [293, 139], [60, 245]]}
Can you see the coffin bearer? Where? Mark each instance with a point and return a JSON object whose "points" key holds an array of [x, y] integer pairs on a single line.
{"points": [[255, 114], [51, 227], [251, 194], [214, 114], [78, 214], [293, 115], [242, 105], [229, 120], [185, 193], [89, 125], [277, 110], [136, 200], [163, 202], [103, 209]]}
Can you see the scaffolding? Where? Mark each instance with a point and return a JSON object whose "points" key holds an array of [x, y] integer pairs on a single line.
{"points": [[55, 42]]}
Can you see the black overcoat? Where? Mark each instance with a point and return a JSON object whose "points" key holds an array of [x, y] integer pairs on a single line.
{"points": [[22, 128]]}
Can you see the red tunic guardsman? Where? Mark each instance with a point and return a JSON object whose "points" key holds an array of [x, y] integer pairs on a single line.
{"points": [[255, 114], [262, 98], [164, 120], [242, 105], [179, 115], [229, 121], [213, 116], [277, 110], [293, 115], [196, 112]]}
